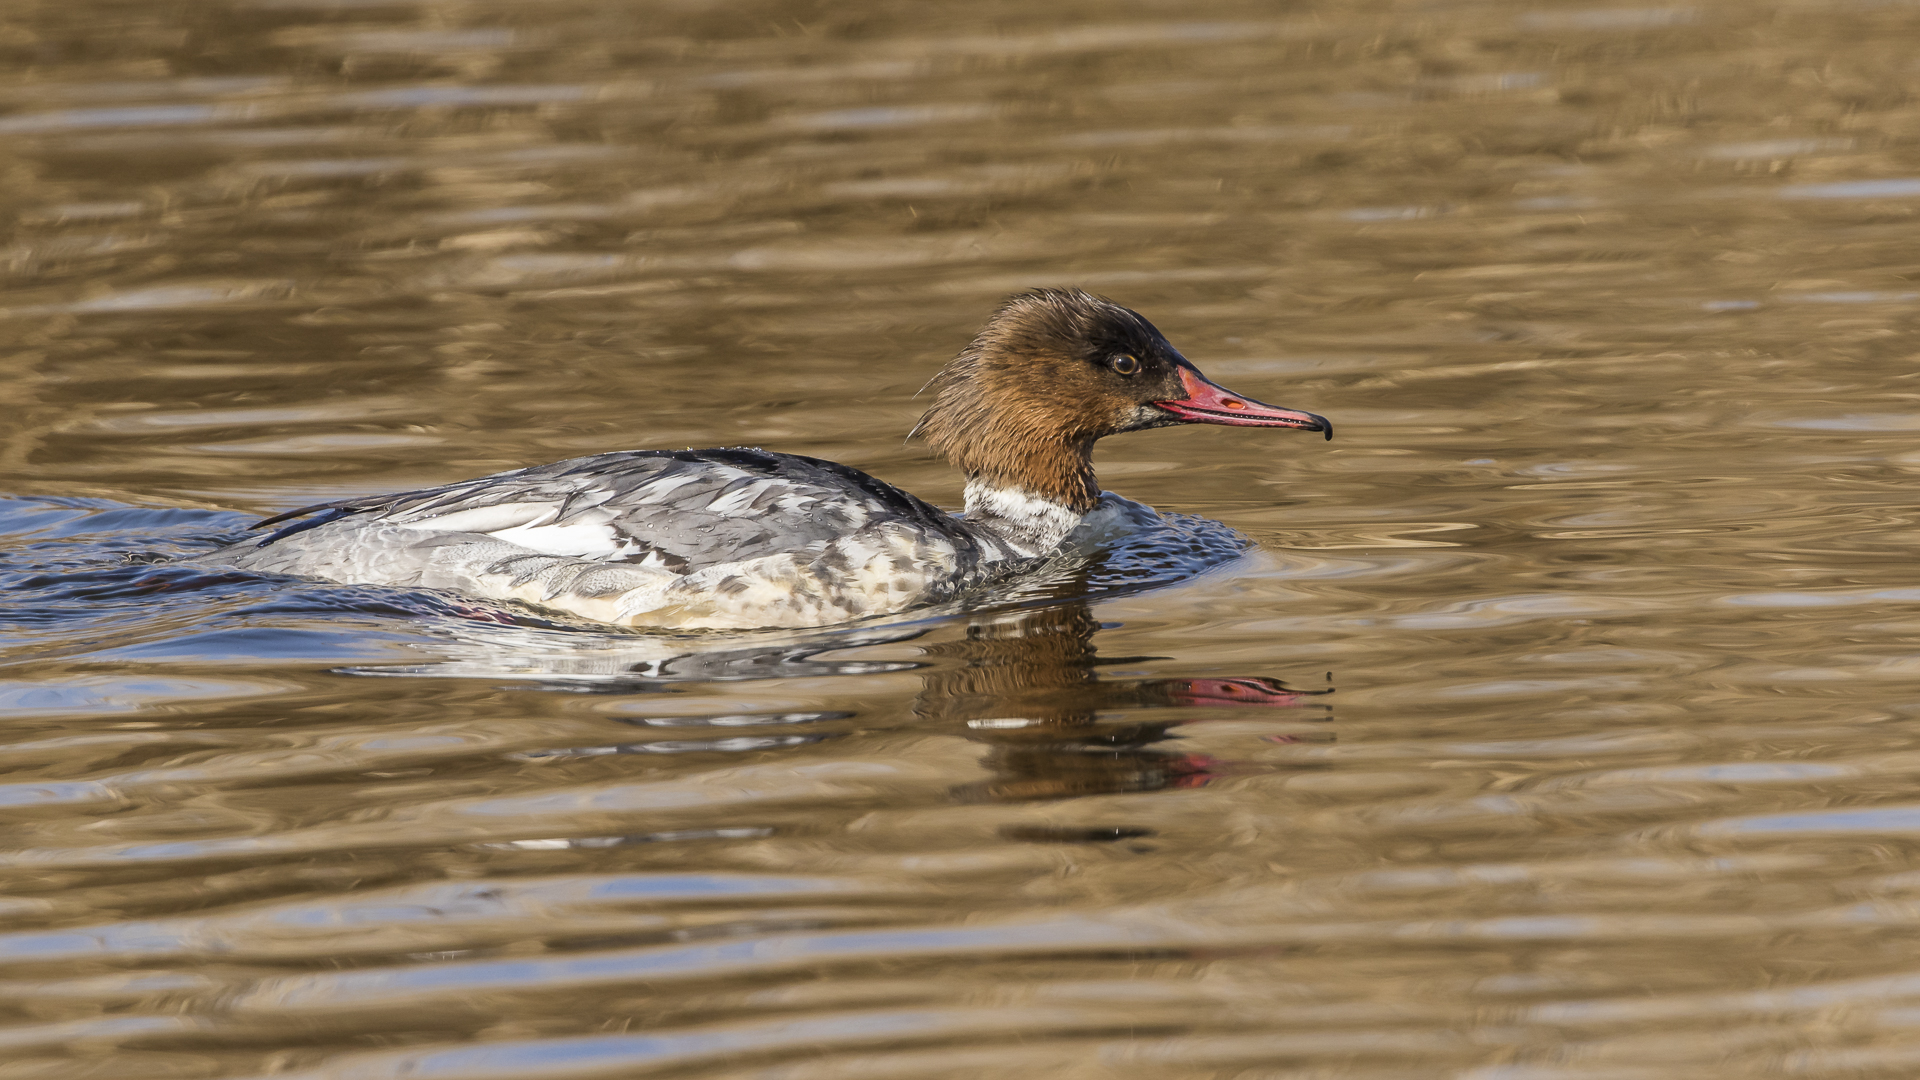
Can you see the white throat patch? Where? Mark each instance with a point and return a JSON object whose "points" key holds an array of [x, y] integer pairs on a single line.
{"points": [[1030, 524]]}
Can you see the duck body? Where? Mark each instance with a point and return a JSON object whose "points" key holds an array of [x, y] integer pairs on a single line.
{"points": [[689, 538], [742, 538]]}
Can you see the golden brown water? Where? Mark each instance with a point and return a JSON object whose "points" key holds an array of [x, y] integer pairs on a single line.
{"points": [[1610, 566]]}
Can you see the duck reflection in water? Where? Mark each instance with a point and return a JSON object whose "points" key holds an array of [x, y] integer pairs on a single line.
{"points": [[1027, 682]]}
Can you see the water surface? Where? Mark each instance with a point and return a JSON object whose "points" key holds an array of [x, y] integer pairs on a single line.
{"points": [[1608, 574]]}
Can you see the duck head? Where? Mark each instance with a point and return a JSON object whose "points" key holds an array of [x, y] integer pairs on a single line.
{"points": [[1053, 371]]}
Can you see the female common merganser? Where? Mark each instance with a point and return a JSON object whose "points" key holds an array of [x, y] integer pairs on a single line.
{"points": [[741, 538]]}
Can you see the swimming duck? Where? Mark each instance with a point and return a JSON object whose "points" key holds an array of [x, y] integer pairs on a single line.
{"points": [[742, 538]]}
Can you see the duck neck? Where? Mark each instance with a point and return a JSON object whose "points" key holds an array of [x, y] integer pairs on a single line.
{"points": [[1028, 459], [1032, 518]]}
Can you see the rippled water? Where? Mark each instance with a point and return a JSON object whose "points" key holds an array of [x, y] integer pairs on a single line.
{"points": [[1563, 724]]}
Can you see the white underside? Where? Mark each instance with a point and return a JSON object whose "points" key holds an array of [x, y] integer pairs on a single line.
{"points": [[880, 569]]}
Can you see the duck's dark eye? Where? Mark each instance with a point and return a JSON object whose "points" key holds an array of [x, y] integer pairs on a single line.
{"points": [[1124, 364]]}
